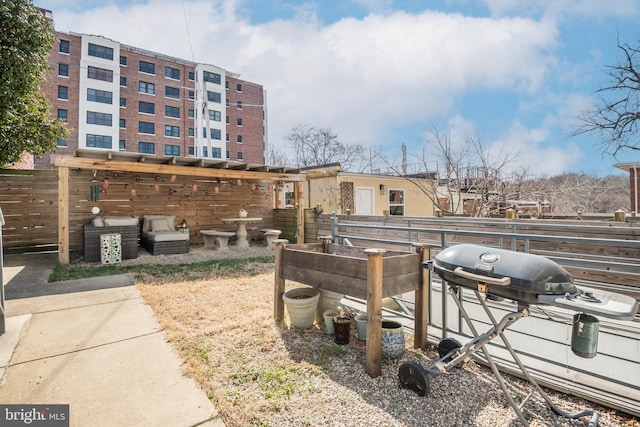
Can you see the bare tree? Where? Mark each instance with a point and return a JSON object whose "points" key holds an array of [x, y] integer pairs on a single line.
{"points": [[617, 115], [320, 146], [277, 157], [458, 176]]}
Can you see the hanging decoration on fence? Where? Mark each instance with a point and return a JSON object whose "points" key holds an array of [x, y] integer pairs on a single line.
{"points": [[95, 191]]}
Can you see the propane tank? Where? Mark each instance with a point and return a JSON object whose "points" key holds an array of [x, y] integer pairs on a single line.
{"points": [[584, 335]]}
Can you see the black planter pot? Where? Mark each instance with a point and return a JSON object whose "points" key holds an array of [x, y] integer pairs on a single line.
{"points": [[342, 330]]}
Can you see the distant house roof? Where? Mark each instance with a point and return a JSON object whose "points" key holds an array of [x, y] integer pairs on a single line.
{"points": [[627, 166]]}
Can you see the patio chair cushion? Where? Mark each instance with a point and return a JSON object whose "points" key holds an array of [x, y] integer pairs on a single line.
{"points": [[119, 221], [160, 224], [146, 223], [165, 236]]}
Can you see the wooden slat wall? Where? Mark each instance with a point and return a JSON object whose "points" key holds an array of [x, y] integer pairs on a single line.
{"points": [[29, 203]]}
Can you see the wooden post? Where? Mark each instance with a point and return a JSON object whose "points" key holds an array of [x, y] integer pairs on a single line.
{"points": [[278, 285], [326, 241], [421, 315], [373, 362], [63, 215], [300, 203]]}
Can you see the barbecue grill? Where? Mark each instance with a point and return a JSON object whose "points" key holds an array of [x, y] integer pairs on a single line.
{"points": [[526, 279]]}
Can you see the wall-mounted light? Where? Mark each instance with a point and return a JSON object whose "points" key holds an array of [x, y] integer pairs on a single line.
{"points": [[105, 183], [194, 188], [383, 189], [156, 187], [133, 193], [280, 186], [173, 178]]}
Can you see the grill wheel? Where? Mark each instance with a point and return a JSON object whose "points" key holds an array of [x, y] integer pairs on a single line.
{"points": [[413, 376]]}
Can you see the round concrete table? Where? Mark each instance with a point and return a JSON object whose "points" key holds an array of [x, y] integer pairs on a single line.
{"points": [[241, 232]]}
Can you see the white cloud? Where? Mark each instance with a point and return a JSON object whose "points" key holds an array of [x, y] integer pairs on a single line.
{"points": [[362, 78]]}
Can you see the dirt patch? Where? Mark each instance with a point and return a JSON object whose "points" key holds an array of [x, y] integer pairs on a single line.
{"points": [[260, 373]]}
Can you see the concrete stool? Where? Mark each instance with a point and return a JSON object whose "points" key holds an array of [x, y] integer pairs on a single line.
{"points": [[217, 239], [271, 236]]}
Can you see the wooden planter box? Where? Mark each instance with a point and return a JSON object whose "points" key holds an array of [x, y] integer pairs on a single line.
{"points": [[370, 274]]}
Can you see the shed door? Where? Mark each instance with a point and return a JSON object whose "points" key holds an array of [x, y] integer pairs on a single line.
{"points": [[364, 201]]}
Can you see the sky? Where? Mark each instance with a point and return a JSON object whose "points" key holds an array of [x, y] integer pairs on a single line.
{"points": [[512, 74]]}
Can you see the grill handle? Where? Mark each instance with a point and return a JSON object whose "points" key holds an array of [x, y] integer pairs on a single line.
{"points": [[503, 281]]}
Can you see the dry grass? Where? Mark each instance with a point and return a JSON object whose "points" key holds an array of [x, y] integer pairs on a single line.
{"points": [[259, 373]]}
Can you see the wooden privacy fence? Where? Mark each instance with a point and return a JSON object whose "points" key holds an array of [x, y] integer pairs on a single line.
{"points": [[29, 202], [596, 253]]}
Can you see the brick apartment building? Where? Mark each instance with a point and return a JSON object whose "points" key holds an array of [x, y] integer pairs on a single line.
{"points": [[123, 98]]}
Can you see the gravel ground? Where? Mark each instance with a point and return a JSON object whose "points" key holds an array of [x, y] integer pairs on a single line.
{"points": [[260, 373]]}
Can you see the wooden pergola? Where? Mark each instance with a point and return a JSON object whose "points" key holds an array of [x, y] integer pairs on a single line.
{"points": [[153, 164]]}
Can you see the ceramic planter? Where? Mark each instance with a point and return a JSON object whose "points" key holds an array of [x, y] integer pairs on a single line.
{"points": [[328, 316], [342, 330], [392, 338], [301, 305], [328, 301], [361, 326]]}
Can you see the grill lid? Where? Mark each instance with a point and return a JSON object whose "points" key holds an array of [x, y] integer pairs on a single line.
{"points": [[503, 271]]}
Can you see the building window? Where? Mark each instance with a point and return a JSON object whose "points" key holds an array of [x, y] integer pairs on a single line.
{"points": [[211, 77], [192, 76], [63, 70], [95, 118], [172, 73], [146, 127], [64, 46], [239, 105], [191, 132], [63, 92], [228, 119], [123, 123], [123, 102], [123, 81], [239, 87], [62, 142], [146, 107], [146, 147], [213, 97], [226, 85], [227, 137], [216, 152], [98, 141], [396, 202], [173, 131], [147, 67], [205, 152], [190, 113], [239, 139], [215, 115], [99, 96], [63, 115], [172, 92], [99, 74], [227, 154], [170, 111], [190, 151], [239, 155], [121, 145], [227, 102], [171, 150], [216, 134], [239, 121], [192, 95], [100, 51], [123, 61], [144, 87]]}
